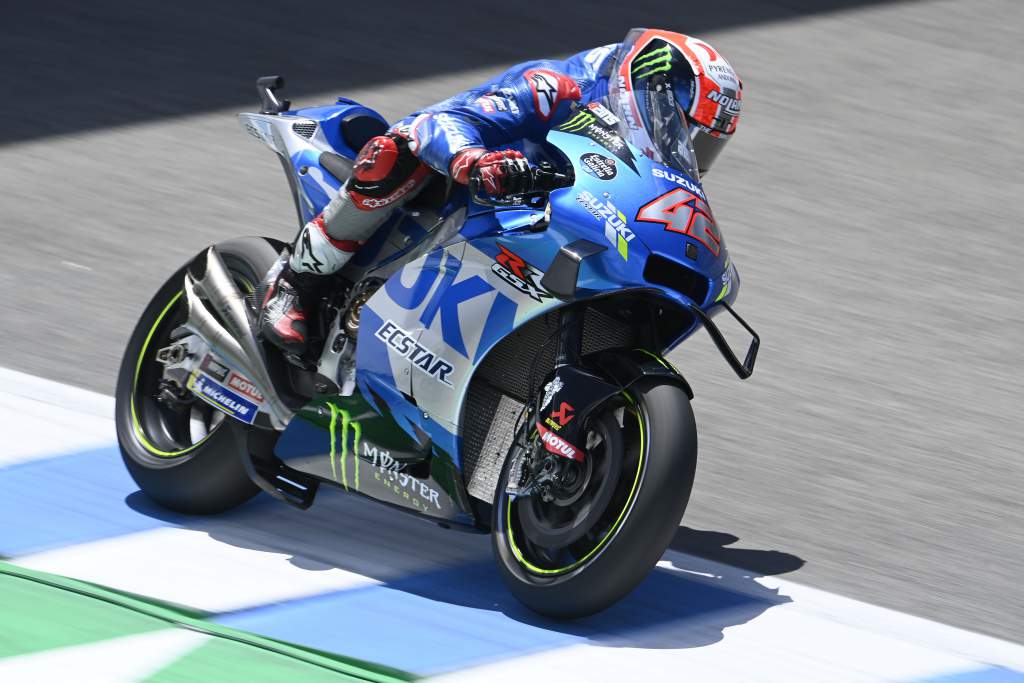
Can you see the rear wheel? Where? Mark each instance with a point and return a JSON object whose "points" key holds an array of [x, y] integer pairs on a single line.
{"points": [[185, 456], [577, 554]]}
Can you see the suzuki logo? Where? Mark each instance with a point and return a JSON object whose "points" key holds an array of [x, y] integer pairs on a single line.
{"points": [[443, 301]]}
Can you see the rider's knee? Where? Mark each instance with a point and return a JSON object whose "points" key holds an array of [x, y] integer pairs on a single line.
{"points": [[385, 172]]}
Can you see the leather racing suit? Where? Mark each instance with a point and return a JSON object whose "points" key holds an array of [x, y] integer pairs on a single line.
{"points": [[451, 137]]}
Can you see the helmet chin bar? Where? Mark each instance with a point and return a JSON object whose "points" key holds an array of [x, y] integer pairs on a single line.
{"points": [[706, 147]]}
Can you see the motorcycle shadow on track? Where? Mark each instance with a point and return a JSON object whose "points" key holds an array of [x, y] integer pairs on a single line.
{"points": [[687, 602]]}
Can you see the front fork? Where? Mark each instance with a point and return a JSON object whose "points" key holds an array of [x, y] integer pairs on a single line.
{"points": [[552, 439], [558, 415], [570, 336]]}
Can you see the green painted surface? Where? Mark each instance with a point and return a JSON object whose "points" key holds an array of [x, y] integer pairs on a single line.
{"points": [[35, 618], [40, 611]]}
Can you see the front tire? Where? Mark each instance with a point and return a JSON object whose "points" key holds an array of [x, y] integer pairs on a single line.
{"points": [[177, 468], [658, 463]]}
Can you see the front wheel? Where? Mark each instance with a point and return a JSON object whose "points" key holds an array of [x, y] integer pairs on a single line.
{"points": [[568, 558]]}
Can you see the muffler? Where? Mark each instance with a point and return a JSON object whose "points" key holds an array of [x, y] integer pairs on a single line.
{"points": [[233, 340]]}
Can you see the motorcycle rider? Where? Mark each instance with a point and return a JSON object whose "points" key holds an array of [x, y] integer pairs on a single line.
{"points": [[456, 138]]}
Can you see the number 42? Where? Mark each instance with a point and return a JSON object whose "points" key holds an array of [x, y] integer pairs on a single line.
{"points": [[684, 212]]}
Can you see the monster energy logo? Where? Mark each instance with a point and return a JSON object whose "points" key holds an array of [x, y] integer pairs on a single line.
{"points": [[357, 432], [578, 122], [655, 61], [585, 124]]}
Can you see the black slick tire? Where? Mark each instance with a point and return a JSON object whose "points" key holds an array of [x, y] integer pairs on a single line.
{"points": [[204, 478], [648, 526]]}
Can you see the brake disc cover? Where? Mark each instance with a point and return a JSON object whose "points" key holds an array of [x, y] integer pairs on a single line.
{"points": [[576, 507]]}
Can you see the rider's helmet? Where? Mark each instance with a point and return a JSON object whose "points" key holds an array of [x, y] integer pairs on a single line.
{"points": [[669, 87]]}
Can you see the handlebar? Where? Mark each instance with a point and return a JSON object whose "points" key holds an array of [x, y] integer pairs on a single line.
{"points": [[545, 179]]}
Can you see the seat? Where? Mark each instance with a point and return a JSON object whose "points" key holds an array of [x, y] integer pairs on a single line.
{"points": [[358, 129]]}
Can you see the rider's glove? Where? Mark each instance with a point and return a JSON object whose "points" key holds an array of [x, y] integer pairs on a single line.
{"points": [[497, 174]]}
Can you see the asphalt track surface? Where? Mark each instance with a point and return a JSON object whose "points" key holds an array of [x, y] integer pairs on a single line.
{"points": [[870, 200]]}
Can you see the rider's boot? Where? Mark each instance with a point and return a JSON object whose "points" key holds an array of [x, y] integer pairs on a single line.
{"points": [[385, 174], [283, 320]]}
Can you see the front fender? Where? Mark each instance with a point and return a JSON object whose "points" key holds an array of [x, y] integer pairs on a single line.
{"points": [[571, 392], [626, 366]]}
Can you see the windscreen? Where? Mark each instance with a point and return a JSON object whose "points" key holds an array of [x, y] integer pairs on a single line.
{"points": [[642, 92], [660, 130]]}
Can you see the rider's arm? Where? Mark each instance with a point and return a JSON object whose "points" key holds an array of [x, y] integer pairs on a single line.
{"points": [[455, 140], [455, 143], [523, 103]]}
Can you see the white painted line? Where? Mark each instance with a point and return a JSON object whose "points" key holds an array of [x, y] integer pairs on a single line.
{"points": [[47, 391], [191, 568], [744, 654], [862, 615], [39, 417], [119, 660], [818, 636]]}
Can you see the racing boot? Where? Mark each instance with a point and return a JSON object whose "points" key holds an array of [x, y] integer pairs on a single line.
{"points": [[386, 174], [282, 317], [283, 321]]}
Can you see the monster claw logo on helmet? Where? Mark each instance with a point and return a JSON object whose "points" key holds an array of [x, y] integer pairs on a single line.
{"points": [[652, 62], [668, 85]]}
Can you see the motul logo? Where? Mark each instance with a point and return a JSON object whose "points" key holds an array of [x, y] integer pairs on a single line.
{"points": [[557, 445], [244, 386]]}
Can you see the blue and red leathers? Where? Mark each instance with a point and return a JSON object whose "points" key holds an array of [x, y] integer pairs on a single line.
{"points": [[522, 104], [452, 137]]}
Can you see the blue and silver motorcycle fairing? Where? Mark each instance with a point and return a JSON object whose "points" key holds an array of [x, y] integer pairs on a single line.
{"points": [[451, 293]]}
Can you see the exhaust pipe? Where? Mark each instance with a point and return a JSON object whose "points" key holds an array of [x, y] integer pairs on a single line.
{"points": [[234, 340]]}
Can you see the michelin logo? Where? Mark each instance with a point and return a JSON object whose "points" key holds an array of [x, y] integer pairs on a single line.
{"points": [[222, 398]]}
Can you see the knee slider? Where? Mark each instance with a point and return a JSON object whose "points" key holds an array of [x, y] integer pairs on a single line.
{"points": [[383, 165]]}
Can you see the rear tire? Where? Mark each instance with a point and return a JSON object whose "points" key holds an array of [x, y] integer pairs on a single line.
{"points": [[663, 466], [207, 476]]}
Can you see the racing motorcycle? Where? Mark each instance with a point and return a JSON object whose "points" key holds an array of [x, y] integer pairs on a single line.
{"points": [[493, 366]]}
